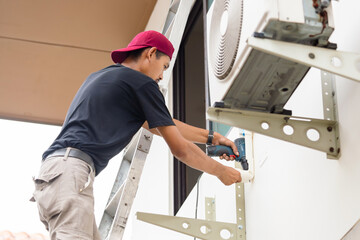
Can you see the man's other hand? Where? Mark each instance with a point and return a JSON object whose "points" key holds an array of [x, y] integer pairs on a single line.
{"points": [[230, 176]]}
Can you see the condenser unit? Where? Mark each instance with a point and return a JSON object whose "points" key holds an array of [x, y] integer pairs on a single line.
{"points": [[248, 79]]}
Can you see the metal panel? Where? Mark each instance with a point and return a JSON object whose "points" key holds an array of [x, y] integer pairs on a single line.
{"points": [[345, 64], [193, 227]]}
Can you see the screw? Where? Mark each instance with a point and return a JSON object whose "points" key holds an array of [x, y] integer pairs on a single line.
{"points": [[331, 149], [338, 151], [329, 129], [311, 55], [288, 27], [240, 227]]}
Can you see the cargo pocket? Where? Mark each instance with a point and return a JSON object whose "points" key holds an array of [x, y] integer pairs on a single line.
{"points": [[46, 193]]}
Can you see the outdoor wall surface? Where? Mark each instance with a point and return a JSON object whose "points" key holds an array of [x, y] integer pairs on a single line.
{"points": [[297, 193]]}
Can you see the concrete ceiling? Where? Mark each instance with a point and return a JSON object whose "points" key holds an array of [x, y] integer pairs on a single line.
{"points": [[48, 48]]}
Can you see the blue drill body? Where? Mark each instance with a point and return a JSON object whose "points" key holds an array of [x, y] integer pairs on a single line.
{"points": [[219, 150]]}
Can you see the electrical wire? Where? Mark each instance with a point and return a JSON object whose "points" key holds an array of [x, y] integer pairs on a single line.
{"points": [[197, 197]]}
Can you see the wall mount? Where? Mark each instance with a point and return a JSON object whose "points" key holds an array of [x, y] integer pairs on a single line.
{"points": [[204, 229], [344, 64], [319, 134], [313, 133], [209, 229]]}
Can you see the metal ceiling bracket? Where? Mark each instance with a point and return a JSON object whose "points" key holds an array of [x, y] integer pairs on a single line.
{"points": [[329, 101], [240, 206], [210, 209], [344, 64], [203, 229], [313, 133], [240, 211]]}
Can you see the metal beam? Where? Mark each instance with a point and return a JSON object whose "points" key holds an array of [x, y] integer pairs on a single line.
{"points": [[203, 229], [329, 100], [344, 64], [313, 133]]}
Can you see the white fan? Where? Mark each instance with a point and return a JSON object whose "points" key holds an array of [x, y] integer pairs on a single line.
{"points": [[244, 78]]}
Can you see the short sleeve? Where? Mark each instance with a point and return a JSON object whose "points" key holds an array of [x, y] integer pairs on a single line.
{"points": [[153, 105]]}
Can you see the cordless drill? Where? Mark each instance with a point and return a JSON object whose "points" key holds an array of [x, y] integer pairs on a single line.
{"points": [[219, 150]]}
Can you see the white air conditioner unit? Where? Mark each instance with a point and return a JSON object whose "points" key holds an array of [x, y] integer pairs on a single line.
{"points": [[245, 78]]}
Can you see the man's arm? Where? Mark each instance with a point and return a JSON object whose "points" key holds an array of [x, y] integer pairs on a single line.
{"points": [[198, 135], [188, 153]]}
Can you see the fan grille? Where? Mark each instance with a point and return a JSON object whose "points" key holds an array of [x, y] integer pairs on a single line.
{"points": [[225, 31]]}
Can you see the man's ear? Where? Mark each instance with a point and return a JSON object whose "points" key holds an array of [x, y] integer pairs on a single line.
{"points": [[151, 52]]}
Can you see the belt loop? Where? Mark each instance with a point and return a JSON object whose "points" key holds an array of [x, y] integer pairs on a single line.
{"points": [[67, 153]]}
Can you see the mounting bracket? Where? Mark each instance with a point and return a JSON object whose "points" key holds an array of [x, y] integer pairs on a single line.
{"points": [[345, 64], [203, 229], [209, 229], [313, 133]]}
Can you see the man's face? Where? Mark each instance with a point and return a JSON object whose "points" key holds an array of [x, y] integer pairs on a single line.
{"points": [[156, 67]]}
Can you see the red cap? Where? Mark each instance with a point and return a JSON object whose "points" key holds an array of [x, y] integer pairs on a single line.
{"points": [[143, 40]]}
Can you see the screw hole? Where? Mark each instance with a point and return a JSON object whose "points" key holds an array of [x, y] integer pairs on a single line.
{"points": [[313, 134], [265, 125], [204, 229], [225, 234], [336, 62], [288, 130], [185, 225]]}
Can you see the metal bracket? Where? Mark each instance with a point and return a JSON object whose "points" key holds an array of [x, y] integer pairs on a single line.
{"points": [[345, 64], [329, 101], [203, 229], [210, 209], [207, 229], [240, 208], [313, 133]]}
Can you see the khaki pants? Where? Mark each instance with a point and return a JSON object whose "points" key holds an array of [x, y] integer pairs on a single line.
{"points": [[64, 196]]}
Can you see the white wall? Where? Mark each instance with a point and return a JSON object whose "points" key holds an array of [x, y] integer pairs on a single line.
{"points": [[297, 192]]}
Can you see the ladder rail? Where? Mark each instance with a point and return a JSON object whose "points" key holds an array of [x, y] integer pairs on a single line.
{"points": [[113, 222]]}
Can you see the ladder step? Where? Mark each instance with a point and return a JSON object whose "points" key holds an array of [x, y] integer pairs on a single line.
{"points": [[113, 203]]}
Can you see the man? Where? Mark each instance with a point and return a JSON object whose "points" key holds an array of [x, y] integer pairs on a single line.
{"points": [[109, 108]]}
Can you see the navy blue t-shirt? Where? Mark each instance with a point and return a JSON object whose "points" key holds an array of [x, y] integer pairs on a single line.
{"points": [[109, 108]]}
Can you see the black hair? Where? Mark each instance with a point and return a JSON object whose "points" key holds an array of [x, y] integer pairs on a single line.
{"points": [[137, 53]]}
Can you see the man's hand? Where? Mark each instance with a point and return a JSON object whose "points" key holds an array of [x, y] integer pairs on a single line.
{"points": [[230, 176], [221, 140]]}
